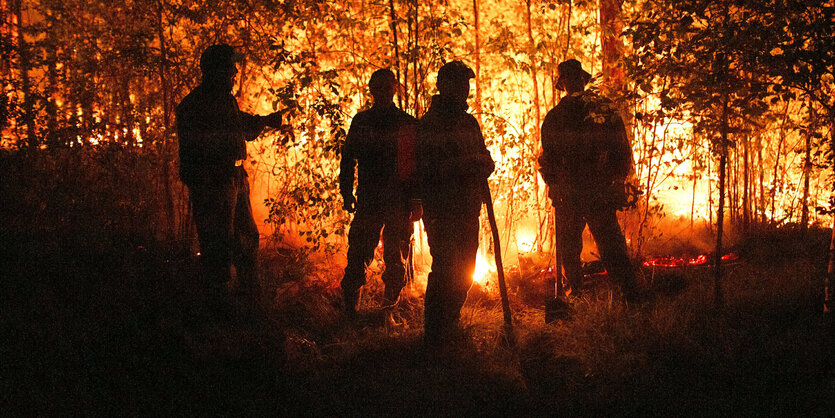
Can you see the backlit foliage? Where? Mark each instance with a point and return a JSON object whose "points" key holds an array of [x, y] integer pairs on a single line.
{"points": [[86, 73]]}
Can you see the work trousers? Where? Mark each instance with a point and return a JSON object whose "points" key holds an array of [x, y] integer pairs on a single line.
{"points": [[453, 244], [227, 232], [602, 220], [363, 238]]}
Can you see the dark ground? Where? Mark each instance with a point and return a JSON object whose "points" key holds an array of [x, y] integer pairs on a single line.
{"points": [[106, 331]]}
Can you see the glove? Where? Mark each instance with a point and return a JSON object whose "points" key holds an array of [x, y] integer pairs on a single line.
{"points": [[478, 166], [273, 120], [349, 203]]}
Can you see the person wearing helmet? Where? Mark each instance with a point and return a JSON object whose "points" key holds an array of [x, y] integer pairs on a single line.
{"points": [[373, 152], [212, 135], [586, 159], [453, 164]]}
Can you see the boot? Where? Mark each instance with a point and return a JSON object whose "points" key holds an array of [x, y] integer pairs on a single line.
{"points": [[351, 298], [391, 295]]}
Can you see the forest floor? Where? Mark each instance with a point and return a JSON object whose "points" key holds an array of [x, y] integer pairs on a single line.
{"points": [[111, 331]]}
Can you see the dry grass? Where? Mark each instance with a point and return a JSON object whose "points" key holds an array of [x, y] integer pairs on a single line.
{"points": [[109, 333], [764, 351]]}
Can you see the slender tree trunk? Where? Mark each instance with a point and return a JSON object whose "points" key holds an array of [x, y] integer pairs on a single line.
{"points": [[52, 83], [127, 120], [649, 153], [25, 81], [396, 60], [477, 62], [163, 69], [709, 195], [415, 61], [695, 158], [534, 69], [166, 111], [761, 168], [774, 178], [51, 48], [774, 188], [543, 231], [720, 213], [567, 28], [746, 189], [736, 200], [611, 26], [407, 58], [807, 172]]}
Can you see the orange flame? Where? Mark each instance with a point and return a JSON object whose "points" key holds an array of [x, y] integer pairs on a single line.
{"points": [[483, 268]]}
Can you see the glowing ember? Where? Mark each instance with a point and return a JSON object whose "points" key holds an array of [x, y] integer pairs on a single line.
{"points": [[665, 262], [702, 260]]}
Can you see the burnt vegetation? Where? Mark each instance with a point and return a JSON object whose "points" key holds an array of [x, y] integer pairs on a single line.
{"points": [[731, 113]]}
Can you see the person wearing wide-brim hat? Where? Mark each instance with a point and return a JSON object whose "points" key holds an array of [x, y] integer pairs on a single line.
{"points": [[586, 158], [571, 71]]}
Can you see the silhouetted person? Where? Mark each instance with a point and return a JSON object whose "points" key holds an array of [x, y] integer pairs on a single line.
{"points": [[452, 167], [585, 160], [371, 151], [212, 132]]}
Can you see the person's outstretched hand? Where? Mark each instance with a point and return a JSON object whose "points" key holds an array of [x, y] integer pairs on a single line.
{"points": [[273, 120]]}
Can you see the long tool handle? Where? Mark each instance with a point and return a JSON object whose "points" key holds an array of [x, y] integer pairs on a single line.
{"points": [[491, 217], [559, 291]]}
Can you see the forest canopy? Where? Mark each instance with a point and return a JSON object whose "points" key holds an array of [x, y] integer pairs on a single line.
{"points": [[735, 90]]}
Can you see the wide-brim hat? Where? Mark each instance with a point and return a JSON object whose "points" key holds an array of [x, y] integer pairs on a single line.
{"points": [[571, 69], [218, 57]]}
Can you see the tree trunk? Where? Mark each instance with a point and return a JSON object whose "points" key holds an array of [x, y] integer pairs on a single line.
{"points": [[167, 177], [25, 81], [543, 230], [611, 26], [396, 60], [416, 79], [736, 199], [807, 171], [477, 107], [720, 212], [746, 189], [567, 28], [126, 106], [695, 180], [52, 80], [709, 194], [777, 164], [163, 69], [761, 169]]}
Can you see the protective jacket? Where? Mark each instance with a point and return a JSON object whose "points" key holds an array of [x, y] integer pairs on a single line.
{"points": [[453, 162], [377, 149], [586, 154], [212, 131]]}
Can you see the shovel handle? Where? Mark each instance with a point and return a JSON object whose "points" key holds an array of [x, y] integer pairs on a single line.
{"points": [[491, 217]]}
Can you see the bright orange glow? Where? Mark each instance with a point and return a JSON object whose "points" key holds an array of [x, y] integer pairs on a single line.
{"points": [[483, 270], [525, 240]]}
